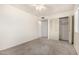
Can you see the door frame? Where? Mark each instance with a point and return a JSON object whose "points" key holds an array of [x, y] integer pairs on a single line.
{"points": [[71, 28]]}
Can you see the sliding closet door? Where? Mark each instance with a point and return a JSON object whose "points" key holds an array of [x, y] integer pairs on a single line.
{"points": [[63, 28]]}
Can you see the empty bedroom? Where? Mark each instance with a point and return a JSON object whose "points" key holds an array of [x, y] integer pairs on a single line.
{"points": [[39, 29]]}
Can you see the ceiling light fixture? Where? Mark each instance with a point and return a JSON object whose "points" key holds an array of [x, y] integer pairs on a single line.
{"points": [[39, 7]]}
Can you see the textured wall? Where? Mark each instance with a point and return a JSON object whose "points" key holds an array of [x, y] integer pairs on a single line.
{"points": [[76, 41]]}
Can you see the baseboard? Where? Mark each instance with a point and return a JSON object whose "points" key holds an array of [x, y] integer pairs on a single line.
{"points": [[17, 44]]}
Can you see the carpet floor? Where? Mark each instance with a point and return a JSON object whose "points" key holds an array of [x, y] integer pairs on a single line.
{"points": [[41, 46]]}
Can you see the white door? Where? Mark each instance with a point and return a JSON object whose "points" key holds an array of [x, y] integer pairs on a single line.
{"points": [[63, 29], [44, 28]]}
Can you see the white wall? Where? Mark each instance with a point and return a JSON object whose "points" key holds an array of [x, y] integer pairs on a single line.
{"points": [[61, 14], [54, 29], [16, 26], [76, 28]]}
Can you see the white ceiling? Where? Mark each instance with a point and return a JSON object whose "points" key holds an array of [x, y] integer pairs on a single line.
{"points": [[50, 8]]}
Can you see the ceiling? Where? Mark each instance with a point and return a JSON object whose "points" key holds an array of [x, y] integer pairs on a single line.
{"points": [[50, 8]]}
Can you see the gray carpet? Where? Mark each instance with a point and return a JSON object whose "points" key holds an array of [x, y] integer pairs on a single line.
{"points": [[41, 46]]}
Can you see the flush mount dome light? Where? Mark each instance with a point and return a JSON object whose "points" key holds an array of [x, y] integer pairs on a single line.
{"points": [[39, 7]]}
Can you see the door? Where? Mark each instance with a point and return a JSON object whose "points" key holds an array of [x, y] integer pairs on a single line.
{"points": [[63, 29], [44, 28]]}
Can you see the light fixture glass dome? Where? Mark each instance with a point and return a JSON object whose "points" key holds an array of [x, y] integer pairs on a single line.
{"points": [[39, 7]]}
